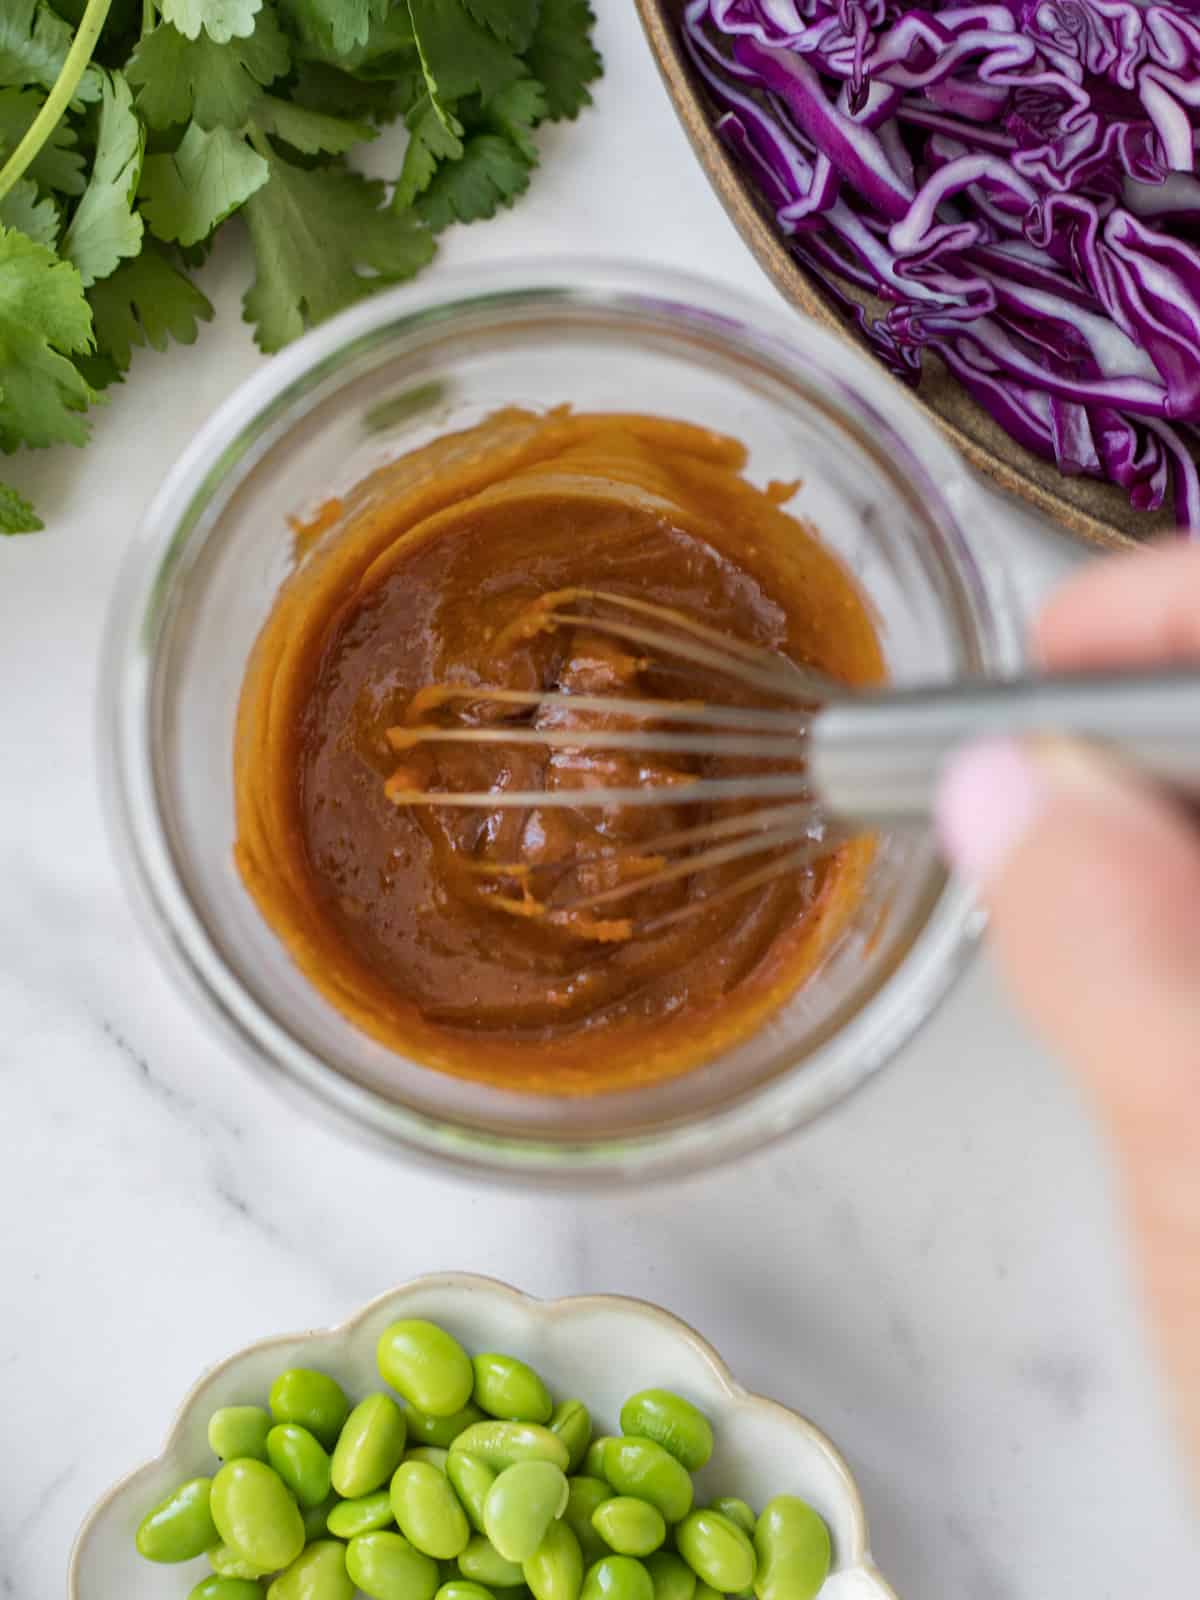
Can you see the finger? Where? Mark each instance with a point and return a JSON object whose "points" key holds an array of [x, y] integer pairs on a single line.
{"points": [[1092, 879], [1132, 610]]}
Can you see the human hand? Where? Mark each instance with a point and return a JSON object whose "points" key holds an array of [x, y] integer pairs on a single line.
{"points": [[1092, 880]]}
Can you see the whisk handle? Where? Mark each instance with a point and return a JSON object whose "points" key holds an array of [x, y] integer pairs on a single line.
{"points": [[877, 758]]}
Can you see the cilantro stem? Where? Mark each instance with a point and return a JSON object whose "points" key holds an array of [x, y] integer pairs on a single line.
{"points": [[260, 142], [148, 17], [60, 97]]}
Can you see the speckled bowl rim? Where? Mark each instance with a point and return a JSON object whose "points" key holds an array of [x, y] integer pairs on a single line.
{"points": [[859, 1555]]}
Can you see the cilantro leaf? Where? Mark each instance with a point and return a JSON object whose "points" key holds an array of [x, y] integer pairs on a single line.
{"points": [[458, 57], [311, 132], [320, 87], [16, 514], [312, 233], [44, 319], [429, 141], [33, 46], [334, 27], [516, 111], [105, 228], [186, 195], [510, 20], [146, 301], [216, 85], [57, 165], [491, 174], [222, 20], [562, 56], [38, 218]]}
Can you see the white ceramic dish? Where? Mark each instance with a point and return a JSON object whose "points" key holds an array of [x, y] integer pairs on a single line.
{"points": [[599, 1346]]}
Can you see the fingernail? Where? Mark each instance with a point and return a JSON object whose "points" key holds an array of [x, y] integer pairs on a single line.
{"points": [[987, 799]]}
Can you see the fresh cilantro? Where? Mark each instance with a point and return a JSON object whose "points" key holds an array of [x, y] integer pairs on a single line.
{"points": [[561, 55], [147, 301], [490, 174], [44, 319], [459, 57], [105, 228], [313, 234], [510, 20], [16, 514], [516, 111], [429, 141], [186, 195], [180, 80], [334, 27], [311, 132], [320, 87], [34, 41], [222, 20], [58, 165], [37, 218]]}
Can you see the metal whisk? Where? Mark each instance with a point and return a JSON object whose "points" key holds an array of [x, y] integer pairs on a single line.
{"points": [[789, 780]]}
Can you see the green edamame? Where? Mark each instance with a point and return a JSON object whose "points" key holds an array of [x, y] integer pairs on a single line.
{"points": [[503, 1444], [180, 1526], [672, 1422], [463, 1589], [214, 1588], [386, 1567], [794, 1552], [671, 1576], [311, 1400], [427, 1366], [369, 1448], [555, 1569], [593, 1460], [737, 1511], [472, 1478], [318, 1573], [705, 1591], [643, 1469], [256, 1515], [483, 1563], [522, 1503], [315, 1518], [572, 1422], [617, 1578], [429, 1454], [368, 1514], [427, 1511], [511, 1390], [300, 1461], [630, 1527], [227, 1563], [717, 1551], [237, 1431], [440, 1432], [584, 1495]]}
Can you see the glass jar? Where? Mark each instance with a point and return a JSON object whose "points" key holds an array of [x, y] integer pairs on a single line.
{"points": [[879, 484]]}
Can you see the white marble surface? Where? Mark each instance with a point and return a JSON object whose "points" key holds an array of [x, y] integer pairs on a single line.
{"points": [[935, 1273]]}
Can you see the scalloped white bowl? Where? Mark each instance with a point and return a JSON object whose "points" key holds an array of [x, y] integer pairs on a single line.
{"points": [[600, 1347]]}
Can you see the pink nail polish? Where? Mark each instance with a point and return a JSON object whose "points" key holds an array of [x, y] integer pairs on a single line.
{"points": [[988, 796]]}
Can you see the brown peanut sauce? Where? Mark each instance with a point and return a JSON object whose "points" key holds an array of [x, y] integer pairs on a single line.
{"points": [[454, 936]]}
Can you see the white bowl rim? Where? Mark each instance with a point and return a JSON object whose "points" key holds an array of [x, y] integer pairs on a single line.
{"points": [[544, 1310]]}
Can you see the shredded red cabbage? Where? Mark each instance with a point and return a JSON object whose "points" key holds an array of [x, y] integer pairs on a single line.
{"points": [[1017, 180]]}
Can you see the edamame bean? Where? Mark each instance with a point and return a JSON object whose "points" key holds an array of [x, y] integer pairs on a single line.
{"points": [[483, 1563], [367, 1514], [503, 1444], [522, 1503], [315, 1518], [737, 1511], [617, 1578], [717, 1551], [429, 1454], [472, 1478], [427, 1366], [671, 1576], [508, 1389], [555, 1569], [630, 1527], [572, 1423], [672, 1422], [385, 1566], [300, 1462], [370, 1447], [584, 1495], [463, 1589], [705, 1591], [427, 1511], [318, 1573], [311, 1400], [181, 1526], [643, 1469], [440, 1432], [793, 1549], [237, 1431], [593, 1461], [227, 1563], [214, 1588], [256, 1516]]}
